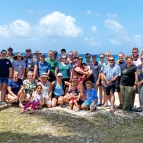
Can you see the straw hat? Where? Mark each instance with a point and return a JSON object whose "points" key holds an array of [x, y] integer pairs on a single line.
{"points": [[37, 52], [18, 54]]}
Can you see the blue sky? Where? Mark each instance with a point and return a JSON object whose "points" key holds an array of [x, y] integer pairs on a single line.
{"points": [[93, 26]]}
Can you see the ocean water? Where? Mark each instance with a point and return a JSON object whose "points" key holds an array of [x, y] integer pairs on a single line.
{"points": [[83, 56]]}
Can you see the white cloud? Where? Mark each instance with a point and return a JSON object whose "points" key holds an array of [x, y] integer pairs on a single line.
{"points": [[58, 24], [30, 11], [111, 15], [4, 31], [20, 27], [93, 41], [114, 42], [90, 12], [94, 28], [122, 35], [114, 25]]}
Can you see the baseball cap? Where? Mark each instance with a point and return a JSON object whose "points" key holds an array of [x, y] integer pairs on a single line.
{"points": [[10, 48], [59, 74], [28, 49], [42, 55]]}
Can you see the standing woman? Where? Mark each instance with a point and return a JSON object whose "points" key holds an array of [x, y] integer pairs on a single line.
{"points": [[18, 64], [64, 68], [140, 82], [5, 75], [15, 89], [128, 83]]}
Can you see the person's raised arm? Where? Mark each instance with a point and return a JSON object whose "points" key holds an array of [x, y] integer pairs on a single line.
{"points": [[77, 69]]}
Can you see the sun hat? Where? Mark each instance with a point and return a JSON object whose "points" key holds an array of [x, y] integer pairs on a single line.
{"points": [[44, 75], [59, 74], [37, 52], [18, 55]]}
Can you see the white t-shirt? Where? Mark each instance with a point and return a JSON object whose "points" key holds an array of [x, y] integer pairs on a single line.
{"points": [[37, 97], [45, 88], [18, 66], [137, 62]]}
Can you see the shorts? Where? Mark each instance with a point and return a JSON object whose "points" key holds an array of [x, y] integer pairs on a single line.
{"points": [[52, 78], [110, 89], [66, 79], [56, 96], [87, 103], [72, 100], [80, 102], [4, 80], [118, 88]]}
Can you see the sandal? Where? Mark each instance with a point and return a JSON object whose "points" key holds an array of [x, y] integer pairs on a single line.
{"points": [[31, 112], [22, 111], [120, 106], [112, 111]]}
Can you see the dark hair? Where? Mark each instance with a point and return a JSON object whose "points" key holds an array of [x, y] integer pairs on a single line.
{"points": [[87, 54], [3, 51], [84, 64], [135, 49], [38, 86], [129, 57], [63, 50]]}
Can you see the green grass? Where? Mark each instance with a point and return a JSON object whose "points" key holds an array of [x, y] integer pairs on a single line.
{"points": [[47, 126]]}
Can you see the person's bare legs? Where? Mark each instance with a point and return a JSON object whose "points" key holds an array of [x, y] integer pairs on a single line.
{"points": [[100, 94], [21, 97], [3, 88], [133, 100], [66, 98], [77, 106], [11, 98], [70, 105], [54, 102], [61, 100], [112, 101]]}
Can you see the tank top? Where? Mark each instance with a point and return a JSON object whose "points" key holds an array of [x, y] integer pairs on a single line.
{"points": [[45, 88], [58, 90]]}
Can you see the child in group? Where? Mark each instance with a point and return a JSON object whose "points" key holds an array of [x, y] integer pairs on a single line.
{"points": [[87, 69], [91, 97], [35, 100], [74, 96]]}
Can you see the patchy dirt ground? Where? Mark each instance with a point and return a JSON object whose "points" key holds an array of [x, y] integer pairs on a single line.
{"points": [[60, 125]]}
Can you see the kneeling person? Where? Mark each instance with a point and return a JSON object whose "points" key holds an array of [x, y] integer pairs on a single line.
{"points": [[91, 97]]}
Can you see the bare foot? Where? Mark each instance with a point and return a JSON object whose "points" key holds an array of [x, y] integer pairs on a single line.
{"points": [[22, 111], [31, 111], [20, 105]]}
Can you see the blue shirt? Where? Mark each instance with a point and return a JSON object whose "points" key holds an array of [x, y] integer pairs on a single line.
{"points": [[58, 90], [111, 73], [43, 67], [140, 73], [30, 62], [91, 95], [15, 86], [5, 64], [122, 64]]}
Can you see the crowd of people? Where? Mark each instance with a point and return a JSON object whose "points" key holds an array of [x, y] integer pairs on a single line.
{"points": [[36, 81]]}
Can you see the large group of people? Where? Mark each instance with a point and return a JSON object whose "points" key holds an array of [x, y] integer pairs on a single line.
{"points": [[36, 81]]}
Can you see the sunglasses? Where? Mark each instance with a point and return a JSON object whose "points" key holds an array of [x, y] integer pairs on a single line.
{"points": [[141, 59], [134, 52], [87, 57], [80, 59], [101, 57], [64, 58], [10, 50], [70, 55], [28, 50], [111, 60]]}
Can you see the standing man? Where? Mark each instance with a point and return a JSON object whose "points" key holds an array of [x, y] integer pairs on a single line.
{"points": [[43, 66], [5, 75], [137, 62], [87, 56], [111, 73], [95, 77], [53, 64], [121, 62], [31, 62], [10, 54]]}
